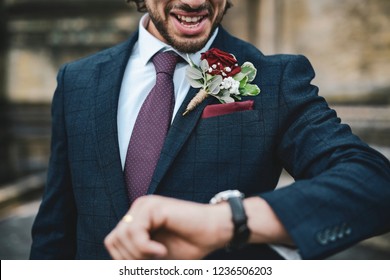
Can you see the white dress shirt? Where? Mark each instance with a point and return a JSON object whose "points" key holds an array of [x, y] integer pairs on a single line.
{"points": [[140, 77]]}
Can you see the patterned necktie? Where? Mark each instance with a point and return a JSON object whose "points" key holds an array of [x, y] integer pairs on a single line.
{"points": [[151, 127]]}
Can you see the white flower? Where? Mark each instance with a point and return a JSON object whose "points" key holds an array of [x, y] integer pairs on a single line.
{"points": [[231, 85], [235, 88]]}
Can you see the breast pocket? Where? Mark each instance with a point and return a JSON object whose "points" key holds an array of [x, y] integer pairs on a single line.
{"points": [[229, 136], [229, 149]]}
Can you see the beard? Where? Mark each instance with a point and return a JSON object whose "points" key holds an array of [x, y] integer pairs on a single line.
{"points": [[182, 44]]}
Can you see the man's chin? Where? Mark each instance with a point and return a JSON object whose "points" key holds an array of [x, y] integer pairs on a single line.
{"points": [[189, 45]]}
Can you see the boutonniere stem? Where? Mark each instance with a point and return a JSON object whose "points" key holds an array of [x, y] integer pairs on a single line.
{"points": [[220, 76], [199, 97]]}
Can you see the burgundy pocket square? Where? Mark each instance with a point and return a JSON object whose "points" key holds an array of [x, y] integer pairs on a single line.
{"points": [[228, 108]]}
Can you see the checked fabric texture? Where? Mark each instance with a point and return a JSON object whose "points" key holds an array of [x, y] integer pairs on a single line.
{"points": [[151, 127]]}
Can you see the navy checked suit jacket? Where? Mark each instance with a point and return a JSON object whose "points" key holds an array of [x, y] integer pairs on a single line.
{"points": [[342, 189]]}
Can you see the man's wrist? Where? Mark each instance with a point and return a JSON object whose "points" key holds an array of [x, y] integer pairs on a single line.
{"points": [[224, 227], [264, 225]]}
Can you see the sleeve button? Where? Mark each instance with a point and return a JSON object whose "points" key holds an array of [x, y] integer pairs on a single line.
{"points": [[322, 238]]}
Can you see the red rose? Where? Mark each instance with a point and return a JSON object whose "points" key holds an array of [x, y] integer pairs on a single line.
{"points": [[221, 63]]}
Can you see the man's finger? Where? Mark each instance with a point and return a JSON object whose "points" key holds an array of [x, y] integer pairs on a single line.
{"points": [[112, 248]]}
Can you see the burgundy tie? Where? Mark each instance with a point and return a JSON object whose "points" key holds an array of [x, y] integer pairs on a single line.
{"points": [[151, 127]]}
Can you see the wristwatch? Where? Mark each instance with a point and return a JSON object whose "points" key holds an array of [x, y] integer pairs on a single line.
{"points": [[241, 230]]}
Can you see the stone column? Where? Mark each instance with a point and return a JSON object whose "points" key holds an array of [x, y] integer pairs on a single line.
{"points": [[253, 13], [269, 25]]}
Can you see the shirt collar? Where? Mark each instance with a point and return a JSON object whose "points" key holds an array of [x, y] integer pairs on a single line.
{"points": [[150, 45]]}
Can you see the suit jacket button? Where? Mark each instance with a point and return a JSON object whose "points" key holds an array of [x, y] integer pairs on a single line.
{"points": [[333, 234], [340, 234], [322, 238], [346, 229]]}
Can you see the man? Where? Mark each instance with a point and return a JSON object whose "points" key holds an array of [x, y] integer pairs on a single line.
{"points": [[342, 186]]}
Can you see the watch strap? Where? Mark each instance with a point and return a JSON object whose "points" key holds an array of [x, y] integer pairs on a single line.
{"points": [[241, 230]]}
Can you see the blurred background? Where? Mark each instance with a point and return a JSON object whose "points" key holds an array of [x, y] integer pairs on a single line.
{"points": [[348, 43]]}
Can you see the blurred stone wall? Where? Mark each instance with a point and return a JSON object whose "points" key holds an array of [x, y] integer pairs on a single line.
{"points": [[348, 42], [44, 34], [39, 36]]}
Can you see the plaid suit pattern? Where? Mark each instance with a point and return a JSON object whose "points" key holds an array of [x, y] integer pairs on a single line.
{"points": [[290, 127]]}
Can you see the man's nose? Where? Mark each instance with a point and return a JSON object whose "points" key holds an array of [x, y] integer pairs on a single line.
{"points": [[193, 3]]}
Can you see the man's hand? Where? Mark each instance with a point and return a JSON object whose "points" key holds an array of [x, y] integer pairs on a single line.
{"points": [[165, 228], [157, 227]]}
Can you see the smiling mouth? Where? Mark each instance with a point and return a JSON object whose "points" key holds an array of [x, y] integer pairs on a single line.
{"points": [[190, 21]]}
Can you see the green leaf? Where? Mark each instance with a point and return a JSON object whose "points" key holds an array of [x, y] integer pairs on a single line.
{"points": [[204, 65], [226, 99], [214, 85], [195, 83], [209, 77], [250, 90], [220, 99], [194, 73], [243, 82], [192, 64], [239, 76], [249, 70]]}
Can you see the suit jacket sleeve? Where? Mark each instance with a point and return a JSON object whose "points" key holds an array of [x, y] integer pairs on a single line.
{"points": [[54, 229], [342, 189]]}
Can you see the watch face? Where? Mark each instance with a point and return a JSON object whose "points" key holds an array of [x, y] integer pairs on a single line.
{"points": [[225, 195]]}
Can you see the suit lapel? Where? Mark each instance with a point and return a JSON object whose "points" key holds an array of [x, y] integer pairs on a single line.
{"points": [[108, 83], [182, 127], [179, 132]]}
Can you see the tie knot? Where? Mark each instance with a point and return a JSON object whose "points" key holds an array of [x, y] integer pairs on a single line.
{"points": [[165, 62]]}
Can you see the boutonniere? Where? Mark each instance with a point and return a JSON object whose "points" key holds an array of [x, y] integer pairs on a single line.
{"points": [[219, 75]]}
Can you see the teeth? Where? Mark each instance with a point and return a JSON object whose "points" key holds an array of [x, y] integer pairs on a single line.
{"points": [[189, 19]]}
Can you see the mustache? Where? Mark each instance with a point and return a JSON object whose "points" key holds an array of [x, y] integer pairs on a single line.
{"points": [[188, 9]]}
